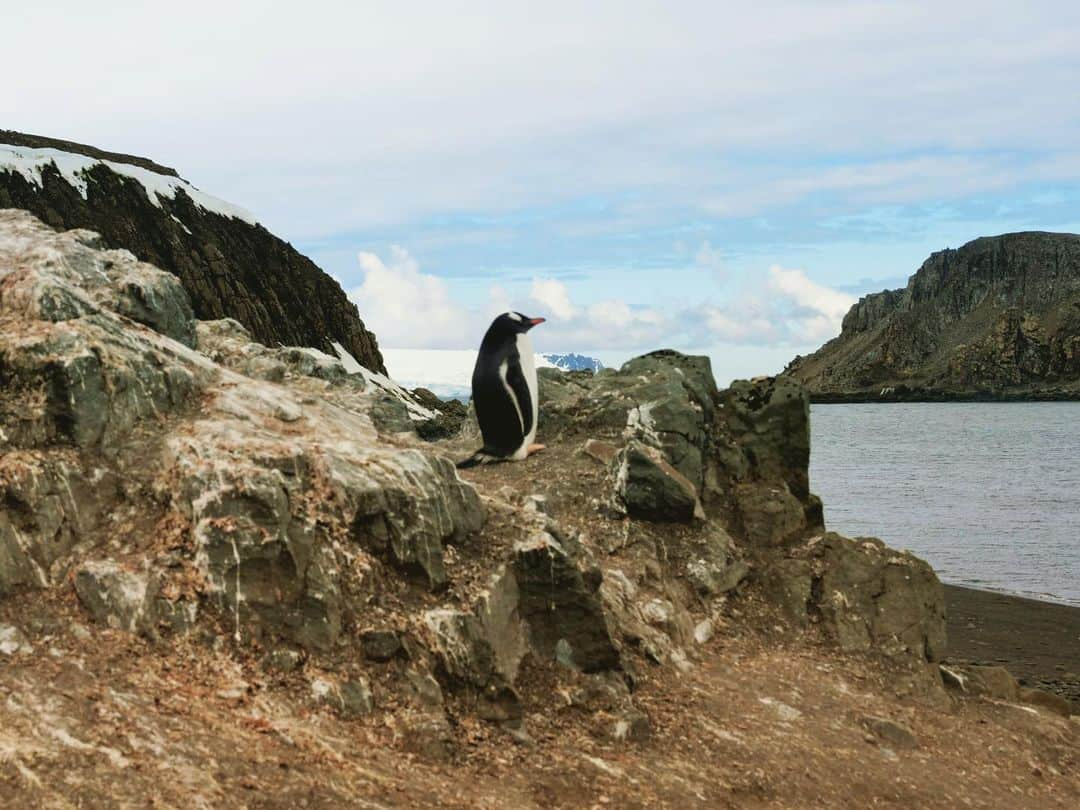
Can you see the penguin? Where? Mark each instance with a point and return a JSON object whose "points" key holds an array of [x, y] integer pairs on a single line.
{"points": [[505, 392]]}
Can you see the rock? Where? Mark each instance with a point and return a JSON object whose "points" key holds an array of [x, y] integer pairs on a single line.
{"points": [[603, 452], [897, 735], [992, 682], [13, 642], [873, 597], [429, 736], [48, 508], [783, 712], [268, 560], [520, 736], [711, 580], [451, 416], [869, 596], [326, 692], [788, 584], [1045, 700], [647, 487], [538, 504], [659, 613], [425, 689], [663, 399], [703, 631], [632, 726], [768, 421], [601, 692], [390, 415], [349, 699], [356, 700], [116, 597], [60, 326], [771, 516], [282, 660], [483, 647], [561, 606], [712, 568], [380, 645], [499, 705]]}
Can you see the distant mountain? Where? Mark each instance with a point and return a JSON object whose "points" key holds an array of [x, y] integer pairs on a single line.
{"points": [[998, 318], [228, 263], [573, 362]]}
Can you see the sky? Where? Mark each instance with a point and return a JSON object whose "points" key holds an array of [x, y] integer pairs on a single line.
{"points": [[712, 177]]}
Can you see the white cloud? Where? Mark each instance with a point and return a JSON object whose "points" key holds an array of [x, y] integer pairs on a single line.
{"points": [[818, 311], [746, 324], [409, 309], [787, 310], [606, 324], [553, 296], [406, 308]]}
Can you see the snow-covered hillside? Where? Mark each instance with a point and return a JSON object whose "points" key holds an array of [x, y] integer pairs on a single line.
{"points": [[74, 168]]}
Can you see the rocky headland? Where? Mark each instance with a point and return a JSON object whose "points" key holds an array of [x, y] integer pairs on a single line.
{"points": [[996, 319], [237, 574], [229, 264]]}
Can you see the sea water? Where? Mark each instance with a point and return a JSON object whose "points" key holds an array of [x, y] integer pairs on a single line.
{"points": [[987, 493]]}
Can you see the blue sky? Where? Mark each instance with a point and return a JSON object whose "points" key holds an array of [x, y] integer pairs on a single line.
{"points": [[700, 175]]}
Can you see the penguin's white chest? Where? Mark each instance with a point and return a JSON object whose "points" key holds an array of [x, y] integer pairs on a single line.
{"points": [[527, 358]]}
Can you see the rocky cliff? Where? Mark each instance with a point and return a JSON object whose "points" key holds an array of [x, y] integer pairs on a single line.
{"points": [[996, 318], [230, 265], [229, 577]]}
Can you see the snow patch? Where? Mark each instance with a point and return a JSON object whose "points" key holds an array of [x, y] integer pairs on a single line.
{"points": [[373, 378], [75, 170]]}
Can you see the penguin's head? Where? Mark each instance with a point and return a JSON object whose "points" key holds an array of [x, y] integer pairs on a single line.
{"points": [[513, 323]]}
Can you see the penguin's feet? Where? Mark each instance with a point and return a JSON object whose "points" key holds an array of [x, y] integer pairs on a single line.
{"points": [[535, 448]]}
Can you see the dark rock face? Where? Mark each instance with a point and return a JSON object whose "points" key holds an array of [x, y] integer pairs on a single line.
{"points": [[561, 604], [999, 316], [647, 486], [228, 267], [867, 595]]}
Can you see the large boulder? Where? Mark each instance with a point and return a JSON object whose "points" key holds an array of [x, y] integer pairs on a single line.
{"points": [[868, 596], [561, 603], [647, 486]]}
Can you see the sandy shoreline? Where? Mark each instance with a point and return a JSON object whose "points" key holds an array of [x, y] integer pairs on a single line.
{"points": [[1038, 642]]}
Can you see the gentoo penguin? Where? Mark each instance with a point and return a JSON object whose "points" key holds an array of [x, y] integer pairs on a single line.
{"points": [[505, 392]]}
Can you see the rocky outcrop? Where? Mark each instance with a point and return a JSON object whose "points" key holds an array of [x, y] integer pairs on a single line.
{"points": [[230, 266], [744, 455], [996, 318], [178, 481], [284, 500]]}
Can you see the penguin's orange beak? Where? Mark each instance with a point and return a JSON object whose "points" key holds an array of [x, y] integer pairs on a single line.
{"points": [[536, 321]]}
